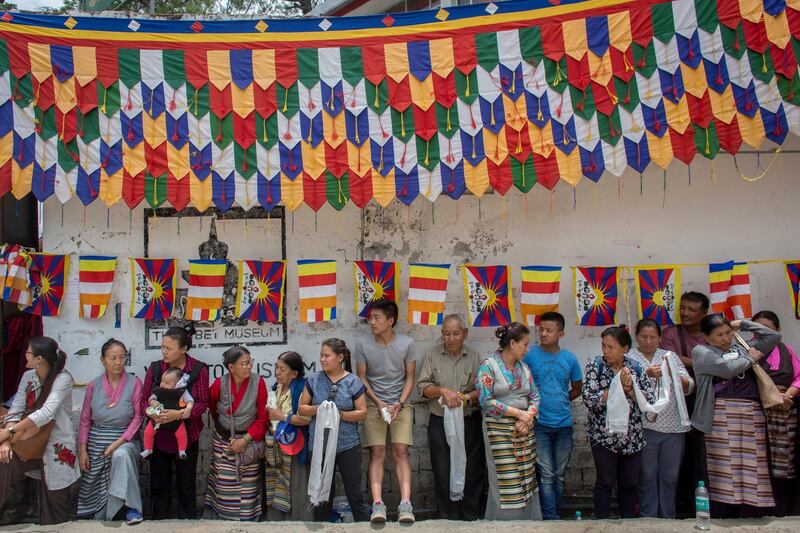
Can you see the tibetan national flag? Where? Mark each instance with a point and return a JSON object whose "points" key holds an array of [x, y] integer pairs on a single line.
{"points": [[541, 286], [206, 288], [793, 278], [658, 293], [96, 276], [374, 280], [488, 292], [595, 290], [427, 292], [260, 291], [730, 289], [153, 288], [17, 284], [317, 295], [48, 275]]}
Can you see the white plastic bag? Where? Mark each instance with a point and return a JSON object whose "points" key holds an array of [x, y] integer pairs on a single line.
{"points": [[618, 411], [454, 432]]}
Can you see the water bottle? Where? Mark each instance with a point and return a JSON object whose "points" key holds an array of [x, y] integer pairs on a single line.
{"points": [[702, 507], [578, 515]]}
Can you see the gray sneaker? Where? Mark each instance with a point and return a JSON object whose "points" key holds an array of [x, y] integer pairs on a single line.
{"points": [[378, 513], [405, 513]]}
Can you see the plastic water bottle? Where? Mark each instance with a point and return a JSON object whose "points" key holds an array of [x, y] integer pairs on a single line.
{"points": [[702, 507], [578, 515]]}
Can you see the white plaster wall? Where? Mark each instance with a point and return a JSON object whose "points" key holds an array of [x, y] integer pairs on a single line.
{"points": [[705, 222]]}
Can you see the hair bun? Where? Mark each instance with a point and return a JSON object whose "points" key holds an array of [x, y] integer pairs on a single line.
{"points": [[190, 329], [501, 332], [623, 326]]}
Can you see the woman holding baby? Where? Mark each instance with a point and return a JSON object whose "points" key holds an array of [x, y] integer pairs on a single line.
{"points": [[175, 345]]}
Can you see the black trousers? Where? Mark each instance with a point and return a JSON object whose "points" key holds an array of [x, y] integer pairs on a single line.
{"points": [[473, 506], [55, 506], [161, 483], [348, 463], [616, 469]]}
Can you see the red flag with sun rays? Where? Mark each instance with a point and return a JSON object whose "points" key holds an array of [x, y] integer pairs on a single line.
{"points": [[48, 275], [658, 292], [488, 293], [595, 291], [153, 286], [374, 280]]}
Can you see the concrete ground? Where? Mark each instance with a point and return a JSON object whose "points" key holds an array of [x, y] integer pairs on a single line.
{"points": [[771, 525]]}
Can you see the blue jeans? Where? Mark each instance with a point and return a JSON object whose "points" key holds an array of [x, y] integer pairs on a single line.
{"points": [[553, 448]]}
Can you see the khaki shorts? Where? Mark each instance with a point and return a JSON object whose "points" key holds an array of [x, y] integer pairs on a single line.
{"points": [[401, 431]]}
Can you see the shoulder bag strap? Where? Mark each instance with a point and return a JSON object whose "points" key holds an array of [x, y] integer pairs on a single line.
{"points": [[682, 339]]}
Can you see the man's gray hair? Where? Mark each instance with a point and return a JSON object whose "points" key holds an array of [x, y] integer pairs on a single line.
{"points": [[455, 316]]}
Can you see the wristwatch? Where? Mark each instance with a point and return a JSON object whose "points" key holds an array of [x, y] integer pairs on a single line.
{"points": [[402, 404], [10, 430]]}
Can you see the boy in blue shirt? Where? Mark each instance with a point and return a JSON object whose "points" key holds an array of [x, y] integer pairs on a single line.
{"points": [[558, 377]]}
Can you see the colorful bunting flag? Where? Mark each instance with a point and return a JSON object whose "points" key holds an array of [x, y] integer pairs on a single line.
{"points": [[17, 285], [260, 291], [427, 292], [658, 292], [488, 293], [48, 280], [96, 277], [541, 286], [793, 278], [595, 290], [454, 100], [317, 294], [152, 288], [374, 280], [206, 288], [730, 289]]}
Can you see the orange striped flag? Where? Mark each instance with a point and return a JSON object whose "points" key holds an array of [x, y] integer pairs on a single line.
{"points": [[541, 286], [730, 289], [317, 280], [427, 292], [206, 288], [96, 276]]}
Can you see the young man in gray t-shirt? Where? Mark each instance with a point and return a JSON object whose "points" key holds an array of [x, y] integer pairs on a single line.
{"points": [[386, 363]]}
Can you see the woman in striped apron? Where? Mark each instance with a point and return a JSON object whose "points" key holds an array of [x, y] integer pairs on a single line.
{"points": [[729, 413], [783, 366], [238, 403], [510, 403], [108, 444]]}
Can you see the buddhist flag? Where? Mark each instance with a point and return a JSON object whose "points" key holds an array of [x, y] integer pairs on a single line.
{"points": [[48, 280], [317, 295], [595, 290], [657, 293], [488, 293], [260, 291], [427, 292], [17, 284], [793, 278], [730, 289], [206, 288], [153, 288], [7, 254], [374, 280], [96, 277], [541, 286]]}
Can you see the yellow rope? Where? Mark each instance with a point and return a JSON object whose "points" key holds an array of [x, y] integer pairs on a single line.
{"points": [[776, 156]]}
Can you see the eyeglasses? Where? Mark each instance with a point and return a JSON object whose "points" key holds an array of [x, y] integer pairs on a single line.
{"points": [[333, 391]]}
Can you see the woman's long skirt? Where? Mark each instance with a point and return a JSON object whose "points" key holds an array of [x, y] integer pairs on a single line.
{"points": [[736, 453], [234, 492], [111, 481]]}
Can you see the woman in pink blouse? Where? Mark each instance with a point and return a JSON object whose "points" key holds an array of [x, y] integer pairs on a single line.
{"points": [[783, 366], [107, 441]]}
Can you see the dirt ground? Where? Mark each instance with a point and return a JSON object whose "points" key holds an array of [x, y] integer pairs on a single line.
{"points": [[776, 525]]}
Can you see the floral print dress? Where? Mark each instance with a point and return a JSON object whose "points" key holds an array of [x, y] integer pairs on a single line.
{"points": [[486, 379], [60, 462], [599, 375]]}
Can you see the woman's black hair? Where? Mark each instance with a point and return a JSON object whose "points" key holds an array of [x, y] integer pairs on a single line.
{"points": [[768, 315], [712, 322], [512, 332], [620, 334], [647, 323], [47, 349], [339, 347], [233, 354], [110, 343], [182, 334], [294, 361]]}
